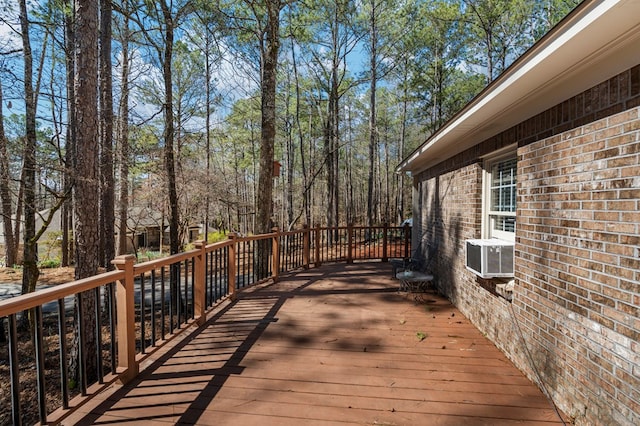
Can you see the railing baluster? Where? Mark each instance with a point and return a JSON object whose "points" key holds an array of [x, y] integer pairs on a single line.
{"points": [[173, 300], [188, 304], [239, 254], [98, 333], [245, 262], [62, 333], [209, 277], [193, 287], [294, 252], [186, 291], [254, 261], [289, 251], [297, 253], [153, 308], [283, 253], [248, 265], [223, 265], [162, 306], [112, 326], [178, 268], [39, 354], [214, 276], [251, 264], [143, 332], [82, 364], [16, 412]]}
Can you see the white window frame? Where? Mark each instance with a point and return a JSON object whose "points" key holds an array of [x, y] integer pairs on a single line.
{"points": [[488, 215]]}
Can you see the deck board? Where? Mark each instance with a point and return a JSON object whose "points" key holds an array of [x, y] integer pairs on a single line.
{"points": [[332, 345]]}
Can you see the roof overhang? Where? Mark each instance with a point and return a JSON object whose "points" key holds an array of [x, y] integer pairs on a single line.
{"points": [[595, 42]]}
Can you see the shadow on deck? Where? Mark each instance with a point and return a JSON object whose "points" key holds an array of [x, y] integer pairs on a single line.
{"points": [[332, 345]]}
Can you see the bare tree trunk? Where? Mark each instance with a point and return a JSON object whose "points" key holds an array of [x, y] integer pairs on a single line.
{"points": [[19, 208], [305, 177], [290, 156], [107, 193], [67, 207], [175, 244], [269, 62], [30, 258], [335, 150], [349, 159], [332, 127], [208, 132], [86, 182], [400, 154], [123, 141], [373, 125], [331, 151], [387, 179], [5, 197]]}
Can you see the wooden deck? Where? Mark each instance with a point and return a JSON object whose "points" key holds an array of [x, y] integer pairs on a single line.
{"points": [[332, 345]]}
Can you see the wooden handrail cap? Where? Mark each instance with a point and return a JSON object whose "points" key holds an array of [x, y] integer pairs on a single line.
{"points": [[122, 259]]}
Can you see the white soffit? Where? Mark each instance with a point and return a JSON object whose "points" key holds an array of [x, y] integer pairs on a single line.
{"points": [[598, 41]]}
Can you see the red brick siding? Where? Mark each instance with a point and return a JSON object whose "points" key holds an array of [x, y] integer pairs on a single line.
{"points": [[577, 248], [578, 259]]}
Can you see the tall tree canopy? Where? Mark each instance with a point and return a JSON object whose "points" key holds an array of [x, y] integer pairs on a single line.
{"points": [[207, 96]]}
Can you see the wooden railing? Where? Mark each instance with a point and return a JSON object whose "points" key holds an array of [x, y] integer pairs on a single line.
{"points": [[139, 307]]}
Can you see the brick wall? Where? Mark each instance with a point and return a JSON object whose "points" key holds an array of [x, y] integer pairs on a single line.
{"points": [[577, 249], [578, 263]]}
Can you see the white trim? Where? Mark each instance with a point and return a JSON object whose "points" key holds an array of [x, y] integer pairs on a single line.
{"points": [[507, 151], [487, 164]]}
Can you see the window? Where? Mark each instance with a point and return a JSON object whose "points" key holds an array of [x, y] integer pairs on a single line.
{"points": [[500, 197]]}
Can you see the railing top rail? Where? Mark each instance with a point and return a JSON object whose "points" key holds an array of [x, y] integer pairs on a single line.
{"points": [[257, 237], [141, 268], [28, 301], [295, 231], [51, 294], [324, 228], [218, 245]]}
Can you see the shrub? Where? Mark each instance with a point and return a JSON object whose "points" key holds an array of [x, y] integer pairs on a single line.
{"points": [[49, 263]]}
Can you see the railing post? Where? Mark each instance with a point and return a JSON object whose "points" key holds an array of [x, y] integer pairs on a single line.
{"points": [[317, 261], [231, 273], [385, 241], [125, 329], [306, 246], [350, 243], [200, 284], [275, 254]]}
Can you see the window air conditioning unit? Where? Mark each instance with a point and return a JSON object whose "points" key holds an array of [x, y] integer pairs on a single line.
{"points": [[490, 258]]}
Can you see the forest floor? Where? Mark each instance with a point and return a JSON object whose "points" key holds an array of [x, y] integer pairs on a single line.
{"points": [[49, 276]]}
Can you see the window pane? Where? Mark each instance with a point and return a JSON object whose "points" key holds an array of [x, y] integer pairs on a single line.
{"points": [[503, 186], [502, 199], [504, 223]]}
